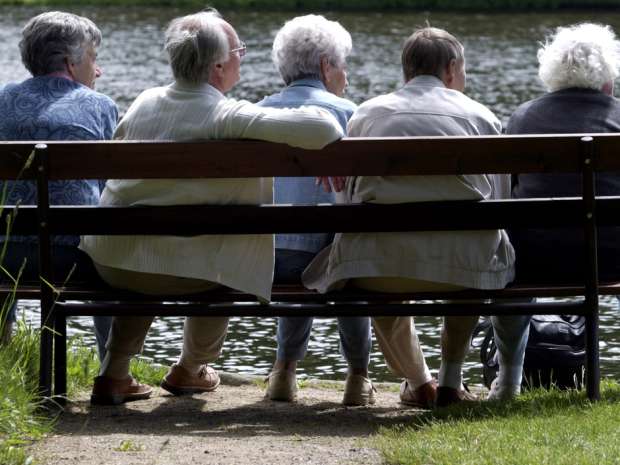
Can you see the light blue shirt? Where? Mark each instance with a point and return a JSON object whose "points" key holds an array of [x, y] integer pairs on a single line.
{"points": [[55, 108], [303, 190]]}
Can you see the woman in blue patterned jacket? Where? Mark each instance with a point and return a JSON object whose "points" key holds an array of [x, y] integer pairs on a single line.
{"points": [[57, 103]]}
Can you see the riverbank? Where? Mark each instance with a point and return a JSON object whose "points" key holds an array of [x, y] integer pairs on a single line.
{"points": [[341, 5], [236, 425]]}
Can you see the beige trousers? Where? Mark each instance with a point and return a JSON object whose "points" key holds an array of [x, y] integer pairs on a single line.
{"points": [[397, 336], [203, 337]]}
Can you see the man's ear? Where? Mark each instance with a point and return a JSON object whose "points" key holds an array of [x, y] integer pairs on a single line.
{"points": [[450, 73], [608, 88], [215, 75]]}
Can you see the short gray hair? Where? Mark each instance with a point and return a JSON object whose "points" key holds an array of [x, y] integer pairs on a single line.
{"points": [[50, 38], [429, 51], [195, 43], [584, 55], [301, 43]]}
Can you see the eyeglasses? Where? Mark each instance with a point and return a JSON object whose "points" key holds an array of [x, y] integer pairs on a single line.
{"points": [[241, 49]]}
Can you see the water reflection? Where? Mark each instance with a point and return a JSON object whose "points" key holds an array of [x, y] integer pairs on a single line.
{"points": [[250, 346], [502, 73]]}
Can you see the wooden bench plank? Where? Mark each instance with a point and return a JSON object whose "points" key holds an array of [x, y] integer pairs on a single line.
{"points": [[190, 220], [350, 156]]}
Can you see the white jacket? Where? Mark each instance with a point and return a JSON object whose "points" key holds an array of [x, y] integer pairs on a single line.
{"points": [[181, 112], [474, 259]]}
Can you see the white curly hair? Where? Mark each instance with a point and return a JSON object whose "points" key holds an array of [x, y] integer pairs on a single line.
{"points": [[584, 55], [301, 43]]}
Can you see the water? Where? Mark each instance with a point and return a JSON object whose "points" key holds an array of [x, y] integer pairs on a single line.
{"points": [[502, 73]]}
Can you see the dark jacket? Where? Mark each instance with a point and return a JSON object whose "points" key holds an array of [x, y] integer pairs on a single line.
{"points": [[557, 256]]}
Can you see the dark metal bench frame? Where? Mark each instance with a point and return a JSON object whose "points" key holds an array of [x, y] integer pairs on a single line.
{"points": [[356, 157]]}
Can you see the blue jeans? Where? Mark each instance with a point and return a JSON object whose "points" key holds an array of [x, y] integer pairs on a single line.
{"points": [[511, 335], [65, 257], [294, 332]]}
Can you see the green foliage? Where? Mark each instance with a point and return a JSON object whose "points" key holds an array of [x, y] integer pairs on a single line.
{"points": [[313, 5], [22, 419], [538, 428]]}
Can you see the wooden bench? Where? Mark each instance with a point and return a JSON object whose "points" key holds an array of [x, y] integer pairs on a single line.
{"points": [[354, 157]]}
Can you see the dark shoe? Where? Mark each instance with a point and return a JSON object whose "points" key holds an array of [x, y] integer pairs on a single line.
{"points": [[110, 391], [422, 397], [180, 382], [449, 396]]}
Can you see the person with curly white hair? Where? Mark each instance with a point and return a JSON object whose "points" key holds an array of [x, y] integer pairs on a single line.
{"points": [[310, 53], [578, 65]]}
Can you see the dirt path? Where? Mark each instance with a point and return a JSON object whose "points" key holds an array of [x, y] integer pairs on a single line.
{"points": [[232, 425]]}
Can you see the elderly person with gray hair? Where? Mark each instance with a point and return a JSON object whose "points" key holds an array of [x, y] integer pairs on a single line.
{"points": [[430, 103], [205, 56], [578, 66], [310, 52], [57, 103]]}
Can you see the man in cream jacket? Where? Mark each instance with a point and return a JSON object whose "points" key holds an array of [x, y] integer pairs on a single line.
{"points": [[205, 54], [431, 103]]}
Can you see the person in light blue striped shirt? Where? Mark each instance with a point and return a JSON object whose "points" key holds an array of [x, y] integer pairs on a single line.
{"points": [[310, 53]]}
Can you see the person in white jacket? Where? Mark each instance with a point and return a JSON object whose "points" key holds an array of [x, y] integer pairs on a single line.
{"points": [[431, 103], [205, 55]]}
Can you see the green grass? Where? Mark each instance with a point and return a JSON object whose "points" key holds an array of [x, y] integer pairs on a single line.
{"points": [[22, 416], [313, 5], [21, 420], [558, 428]]}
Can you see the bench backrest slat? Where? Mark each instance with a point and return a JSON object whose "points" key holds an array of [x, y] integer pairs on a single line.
{"points": [[354, 156], [267, 219]]}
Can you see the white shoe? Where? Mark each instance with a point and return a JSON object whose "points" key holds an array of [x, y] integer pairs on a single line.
{"points": [[503, 392], [358, 390], [282, 386]]}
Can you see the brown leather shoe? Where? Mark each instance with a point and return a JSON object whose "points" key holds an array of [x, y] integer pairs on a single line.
{"points": [[422, 397], [110, 391], [180, 382], [449, 396]]}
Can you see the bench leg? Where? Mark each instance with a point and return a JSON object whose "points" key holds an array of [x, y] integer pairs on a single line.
{"points": [[60, 357], [45, 361], [593, 371]]}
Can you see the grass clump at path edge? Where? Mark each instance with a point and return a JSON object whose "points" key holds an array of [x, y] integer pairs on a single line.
{"points": [[540, 427], [23, 418]]}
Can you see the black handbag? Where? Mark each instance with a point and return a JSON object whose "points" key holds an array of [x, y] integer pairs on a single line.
{"points": [[555, 353]]}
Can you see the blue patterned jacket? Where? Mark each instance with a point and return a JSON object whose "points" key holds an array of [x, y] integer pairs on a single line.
{"points": [[55, 108]]}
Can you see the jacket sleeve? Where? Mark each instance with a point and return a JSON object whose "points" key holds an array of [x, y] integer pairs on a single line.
{"points": [[305, 127]]}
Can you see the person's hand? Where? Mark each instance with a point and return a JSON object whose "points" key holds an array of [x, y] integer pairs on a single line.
{"points": [[331, 183]]}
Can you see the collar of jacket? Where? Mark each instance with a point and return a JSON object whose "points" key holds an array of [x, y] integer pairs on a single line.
{"points": [[308, 82], [202, 88], [426, 80]]}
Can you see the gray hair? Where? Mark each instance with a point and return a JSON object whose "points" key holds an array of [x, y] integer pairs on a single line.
{"points": [[51, 38], [429, 51], [195, 43], [301, 43], [584, 55]]}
